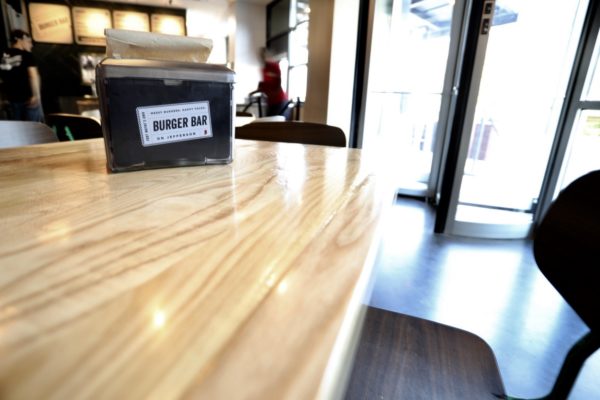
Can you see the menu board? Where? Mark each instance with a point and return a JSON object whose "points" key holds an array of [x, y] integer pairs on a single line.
{"points": [[131, 20], [50, 23], [90, 24], [168, 24]]}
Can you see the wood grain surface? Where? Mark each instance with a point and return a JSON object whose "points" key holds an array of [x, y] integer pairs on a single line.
{"points": [[409, 358], [238, 281]]}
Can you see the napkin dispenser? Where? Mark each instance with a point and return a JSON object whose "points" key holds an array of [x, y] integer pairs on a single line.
{"points": [[159, 114]]}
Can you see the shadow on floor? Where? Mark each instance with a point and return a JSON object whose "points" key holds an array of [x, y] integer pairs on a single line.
{"points": [[492, 288]]}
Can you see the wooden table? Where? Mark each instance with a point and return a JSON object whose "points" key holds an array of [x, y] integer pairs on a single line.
{"points": [[238, 281]]}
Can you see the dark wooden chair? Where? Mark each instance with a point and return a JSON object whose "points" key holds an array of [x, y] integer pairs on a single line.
{"points": [[258, 99], [409, 358], [291, 110], [292, 132], [404, 357], [296, 110], [69, 127], [23, 133], [566, 248]]}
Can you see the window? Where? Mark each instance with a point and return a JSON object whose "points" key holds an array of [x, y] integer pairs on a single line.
{"points": [[287, 40]]}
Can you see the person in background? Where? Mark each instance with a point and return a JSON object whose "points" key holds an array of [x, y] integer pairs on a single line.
{"points": [[271, 86], [21, 78]]}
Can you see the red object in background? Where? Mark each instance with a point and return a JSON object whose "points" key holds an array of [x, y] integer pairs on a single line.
{"points": [[271, 83]]}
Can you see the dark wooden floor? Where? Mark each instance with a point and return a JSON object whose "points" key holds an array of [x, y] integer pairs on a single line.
{"points": [[491, 288]]}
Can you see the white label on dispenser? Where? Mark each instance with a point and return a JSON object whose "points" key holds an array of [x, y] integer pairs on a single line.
{"points": [[174, 123]]}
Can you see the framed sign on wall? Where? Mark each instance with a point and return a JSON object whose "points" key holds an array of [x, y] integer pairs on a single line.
{"points": [[50, 23], [168, 24], [89, 24], [131, 20]]}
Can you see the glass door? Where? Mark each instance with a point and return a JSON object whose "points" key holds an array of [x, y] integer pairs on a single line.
{"points": [[505, 150], [578, 142], [409, 52]]}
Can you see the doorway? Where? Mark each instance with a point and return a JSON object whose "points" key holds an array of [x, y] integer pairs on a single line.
{"points": [[410, 46], [507, 138], [521, 74], [577, 143]]}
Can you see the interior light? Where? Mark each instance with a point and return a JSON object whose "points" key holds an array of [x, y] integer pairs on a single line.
{"points": [[170, 26], [96, 23], [135, 23]]}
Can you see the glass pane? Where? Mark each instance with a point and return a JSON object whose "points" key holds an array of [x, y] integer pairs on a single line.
{"points": [[529, 54], [409, 52], [299, 45], [297, 81], [278, 18], [302, 11], [284, 66], [591, 89], [583, 154]]}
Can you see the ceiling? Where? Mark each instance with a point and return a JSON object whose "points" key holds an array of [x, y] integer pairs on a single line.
{"points": [[189, 3], [260, 2]]}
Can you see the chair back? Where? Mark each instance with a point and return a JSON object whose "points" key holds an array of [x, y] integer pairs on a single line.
{"points": [[23, 133], [69, 127], [293, 132], [258, 99], [567, 247], [243, 114], [292, 110]]}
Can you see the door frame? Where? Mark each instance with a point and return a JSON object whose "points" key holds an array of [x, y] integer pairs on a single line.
{"points": [[456, 55], [571, 107], [472, 58]]}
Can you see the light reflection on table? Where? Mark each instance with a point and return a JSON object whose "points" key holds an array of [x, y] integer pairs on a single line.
{"points": [[231, 281]]}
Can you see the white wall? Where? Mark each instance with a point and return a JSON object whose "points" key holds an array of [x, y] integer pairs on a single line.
{"points": [[332, 49], [243, 24], [250, 37], [319, 59], [210, 19], [343, 55]]}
